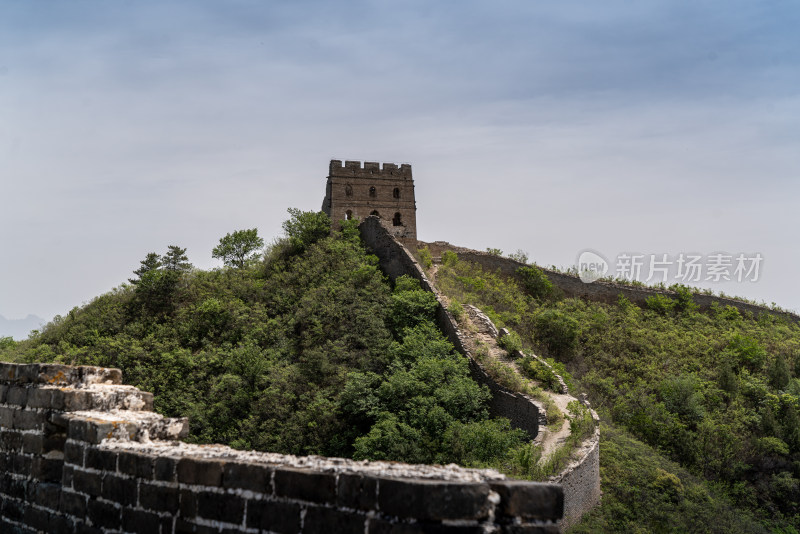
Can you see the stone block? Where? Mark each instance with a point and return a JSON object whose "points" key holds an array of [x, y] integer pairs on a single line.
{"points": [[17, 395], [305, 485], [433, 499], [74, 452], [357, 491], [101, 459], [104, 514], [140, 521], [529, 500], [220, 507], [86, 482], [253, 477], [159, 498], [47, 469], [164, 469], [201, 472], [135, 464], [119, 490], [7, 416], [319, 520], [281, 517], [32, 443], [72, 503], [29, 419]]}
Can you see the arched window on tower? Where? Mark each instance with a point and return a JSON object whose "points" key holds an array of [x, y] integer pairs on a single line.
{"points": [[396, 192], [348, 190], [375, 213], [373, 192], [348, 215], [398, 219]]}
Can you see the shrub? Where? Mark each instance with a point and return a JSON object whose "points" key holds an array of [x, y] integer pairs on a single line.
{"points": [[536, 370], [535, 282], [510, 343], [425, 257], [660, 304], [557, 331], [449, 258]]}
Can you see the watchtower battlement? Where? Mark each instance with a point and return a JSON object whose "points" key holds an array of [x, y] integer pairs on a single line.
{"points": [[370, 169], [356, 191]]}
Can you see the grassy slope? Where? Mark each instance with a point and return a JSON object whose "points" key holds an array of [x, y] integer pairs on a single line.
{"points": [[717, 393]]}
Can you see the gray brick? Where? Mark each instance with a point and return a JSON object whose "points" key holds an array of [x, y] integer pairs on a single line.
{"points": [[529, 500], [433, 499], [256, 478], [305, 485], [357, 491], [200, 472], [281, 517]]}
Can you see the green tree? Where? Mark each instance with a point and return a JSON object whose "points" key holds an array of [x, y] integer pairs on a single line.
{"points": [[151, 262], [305, 228], [176, 259], [236, 248]]}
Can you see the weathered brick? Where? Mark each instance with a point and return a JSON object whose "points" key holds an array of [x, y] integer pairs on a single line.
{"points": [[90, 431], [7, 416], [164, 469], [17, 395], [139, 521], [29, 420], [135, 464], [72, 503], [21, 464], [120, 490], [200, 472], [433, 499], [529, 500], [305, 485], [104, 514], [220, 507], [10, 440], [86, 482], [37, 519], [158, 498], [74, 453], [319, 520], [47, 469], [531, 529], [33, 443], [13, 509], [256, 478], [357, 491], [188, 504], [102, 459], [67, 476], [39, 397], [281, 517], [4, 391], [45, 494]]}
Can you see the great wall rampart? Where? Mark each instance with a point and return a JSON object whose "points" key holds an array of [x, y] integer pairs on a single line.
{"points": [[580, 480], [80, 452], [598, 291]]}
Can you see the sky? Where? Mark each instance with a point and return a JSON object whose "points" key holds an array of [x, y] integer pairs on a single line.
{"points": [[650, 127]]}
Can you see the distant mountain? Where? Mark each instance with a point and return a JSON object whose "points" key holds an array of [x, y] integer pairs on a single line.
{"points": [[19, 328]]}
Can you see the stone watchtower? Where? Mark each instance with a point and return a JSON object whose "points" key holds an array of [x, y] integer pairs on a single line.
{"points": [[356, 192]]}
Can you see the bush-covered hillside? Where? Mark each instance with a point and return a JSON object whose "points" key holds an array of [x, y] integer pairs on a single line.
{"points": [[306, 350], [716, 392]]}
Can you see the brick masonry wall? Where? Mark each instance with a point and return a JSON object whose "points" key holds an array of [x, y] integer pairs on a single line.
{"points": [[80, 452], [599, 291]]}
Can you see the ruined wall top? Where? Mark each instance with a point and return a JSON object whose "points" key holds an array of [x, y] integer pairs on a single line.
{"points": [[369, 169]]}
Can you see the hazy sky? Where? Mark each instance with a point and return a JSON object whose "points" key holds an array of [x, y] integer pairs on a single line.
{"points": [[620, 126]]}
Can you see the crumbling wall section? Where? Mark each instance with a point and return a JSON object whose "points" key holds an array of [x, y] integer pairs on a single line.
{"points": [[80, 452]]}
